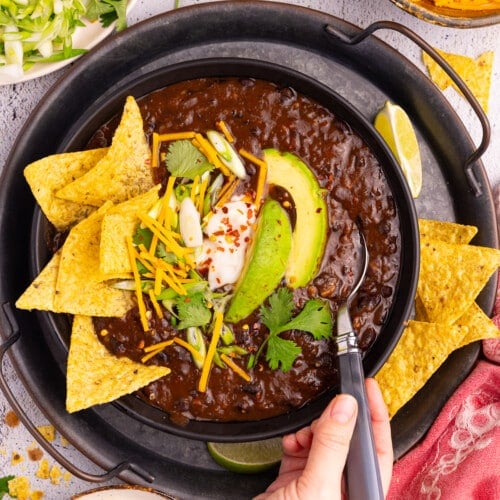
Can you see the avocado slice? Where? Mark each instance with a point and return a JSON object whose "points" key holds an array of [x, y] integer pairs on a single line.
{"points": [[265, 264], [309, 236]]}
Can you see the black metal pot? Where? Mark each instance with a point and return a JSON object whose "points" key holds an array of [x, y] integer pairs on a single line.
{"points": [[56, 327]]}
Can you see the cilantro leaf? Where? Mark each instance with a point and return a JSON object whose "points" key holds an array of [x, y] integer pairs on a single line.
{"points": [[4, 485], [280, 309], [192, 311], [315, 319], [281, 351], [162, 253], [185, 160], [143, 236]]}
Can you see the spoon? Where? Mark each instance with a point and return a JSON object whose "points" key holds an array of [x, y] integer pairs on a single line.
{"points": [[363, 473]]}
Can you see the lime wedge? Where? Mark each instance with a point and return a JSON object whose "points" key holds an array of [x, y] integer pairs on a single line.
{"points": [[395, 127], [249, 457]]}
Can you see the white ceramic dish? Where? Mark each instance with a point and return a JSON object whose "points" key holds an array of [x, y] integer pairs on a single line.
{"points": [[85, 37], [121, 493]]}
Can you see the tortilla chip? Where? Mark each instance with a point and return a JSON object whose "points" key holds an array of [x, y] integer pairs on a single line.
{"points": [[96, 376], [450, 232], [480, 326], [422, 349], [48, 175], [476, 73], [451, 277], [40, 294], [120, 222], [420, 312], [125, 170], [79, 289]]}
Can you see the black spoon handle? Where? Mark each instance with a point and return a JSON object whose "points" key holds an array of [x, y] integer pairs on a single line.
{"points": [[363, 473]]}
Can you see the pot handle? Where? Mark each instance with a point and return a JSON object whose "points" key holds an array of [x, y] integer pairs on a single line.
{"points": [[349, 39], [12, 335]]}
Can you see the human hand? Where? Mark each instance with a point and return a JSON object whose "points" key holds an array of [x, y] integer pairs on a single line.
{"points": [[314, 457]]}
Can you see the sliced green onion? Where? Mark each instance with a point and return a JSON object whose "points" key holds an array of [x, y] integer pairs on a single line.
{"points": [[195, 337], [227, 153]]}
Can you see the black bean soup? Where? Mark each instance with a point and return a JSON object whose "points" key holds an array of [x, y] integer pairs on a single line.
{"points": [[261, 115]]}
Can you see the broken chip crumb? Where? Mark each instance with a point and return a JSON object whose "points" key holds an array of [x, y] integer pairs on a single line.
{"points": [[34, 453], [48, 432], [20, 488], [43, 471], [11, 419], [17, 458], [55, 474]]}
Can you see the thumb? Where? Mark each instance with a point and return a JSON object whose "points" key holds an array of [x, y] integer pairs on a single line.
{"points": [[330, 445]]}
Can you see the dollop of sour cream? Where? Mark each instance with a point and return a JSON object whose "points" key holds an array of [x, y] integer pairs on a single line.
{"points": [[228, 233]]}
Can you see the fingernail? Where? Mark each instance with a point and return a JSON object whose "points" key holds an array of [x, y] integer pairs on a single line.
{"points": [[343, 408]]}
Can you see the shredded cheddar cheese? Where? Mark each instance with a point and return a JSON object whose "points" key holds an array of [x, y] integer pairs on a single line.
{"points": [[236, 369], [221, 125], [189, 347], [137, 279], [154, 349], [194, 188], [250, 157], [209, 151], [227, 192], [156, 306], [164, 215], [159, 346], [207, 364], [176, 136], [261, 181], [201, 195], [155, 150]]}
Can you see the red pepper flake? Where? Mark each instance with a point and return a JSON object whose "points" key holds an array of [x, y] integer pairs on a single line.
{"points": [[225, 209]]}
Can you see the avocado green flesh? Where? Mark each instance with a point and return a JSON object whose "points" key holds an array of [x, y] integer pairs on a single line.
{"points": [[265, 264], [309, 236]]}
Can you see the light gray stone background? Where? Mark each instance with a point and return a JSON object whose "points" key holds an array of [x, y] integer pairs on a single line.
{"points": [[18, 100]]}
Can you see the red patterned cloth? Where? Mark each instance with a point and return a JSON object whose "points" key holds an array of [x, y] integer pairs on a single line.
{"points": [[459, 459]]}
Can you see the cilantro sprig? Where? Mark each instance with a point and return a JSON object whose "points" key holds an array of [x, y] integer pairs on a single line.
{"points": [[315, 318], [193, 311], [185, 160]]}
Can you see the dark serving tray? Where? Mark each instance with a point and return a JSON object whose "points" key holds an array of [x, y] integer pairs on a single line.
{"points": [[366, 74]]}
